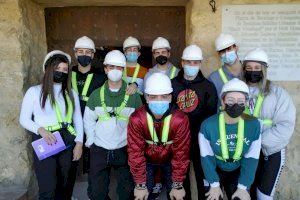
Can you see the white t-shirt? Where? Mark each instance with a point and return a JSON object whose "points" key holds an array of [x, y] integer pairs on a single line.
{"points": [[33, 116]]}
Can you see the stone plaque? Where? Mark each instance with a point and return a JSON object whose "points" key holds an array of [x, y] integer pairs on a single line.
{"points": [[274, 28]]}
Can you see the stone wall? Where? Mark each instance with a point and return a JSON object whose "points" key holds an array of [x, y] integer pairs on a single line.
{"points": [[202, 28], [23, 46]]}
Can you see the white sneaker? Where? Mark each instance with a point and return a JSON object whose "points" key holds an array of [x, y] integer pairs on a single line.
{"points": [[157, 188]]}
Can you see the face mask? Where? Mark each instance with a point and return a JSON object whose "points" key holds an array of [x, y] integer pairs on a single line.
{"points": [[234, 110], [114, 75], [229, 57], [191, 70], [158, 107], [161, 60], [132, 56], [84, 60], [59, 77], [253, 76]]}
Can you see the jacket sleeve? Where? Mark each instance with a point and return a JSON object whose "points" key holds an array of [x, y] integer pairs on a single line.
{"points": [[181, 149], [249, 161], [278, 135], [211, 101], [136, 149], [90, 118], [208, 160]]}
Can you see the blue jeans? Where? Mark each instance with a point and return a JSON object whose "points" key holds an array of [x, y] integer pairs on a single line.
{"points": [[166, 176]]}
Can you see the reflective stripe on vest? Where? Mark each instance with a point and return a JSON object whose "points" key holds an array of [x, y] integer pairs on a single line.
{"points": [[117, 112], [257, 108], [135, 74], [223, 75], [86, 86], [173, 72], [68, 121], [165, 131], [223, 139]]}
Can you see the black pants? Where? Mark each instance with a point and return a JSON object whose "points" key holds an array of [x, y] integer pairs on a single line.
{"points": [[166, 173], [53, 172], [228, 180], [101, 162], [267, 175], [195, 158]]}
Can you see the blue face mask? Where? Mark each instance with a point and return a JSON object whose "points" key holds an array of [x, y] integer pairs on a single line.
{"points": [[132, 56], [229, 57], [191, 70], [158, 107]]}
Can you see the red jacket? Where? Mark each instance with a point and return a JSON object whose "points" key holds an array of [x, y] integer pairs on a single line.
{"points": [[140, 152]]}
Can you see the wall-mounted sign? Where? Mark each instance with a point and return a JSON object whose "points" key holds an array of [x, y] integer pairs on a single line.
{"points": [[274, 28]]}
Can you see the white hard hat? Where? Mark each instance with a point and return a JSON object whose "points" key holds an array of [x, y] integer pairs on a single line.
{"points": [[257, 55], [160, 43], [131, 42], [235, 85], [192, 52], [224, 41], [55, 52], [85, 43], [158, 84], [115, 57]]}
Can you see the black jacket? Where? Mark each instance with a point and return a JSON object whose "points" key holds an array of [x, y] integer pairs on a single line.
{"points": [[197, 98], [97, 81]]}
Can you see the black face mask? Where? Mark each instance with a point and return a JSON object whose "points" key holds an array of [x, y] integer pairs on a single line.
{"points": [[59, 77], [161, 60], [84, 60], [253, 76], [235, 110]]}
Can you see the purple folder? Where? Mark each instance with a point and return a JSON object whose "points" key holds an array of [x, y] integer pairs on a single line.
{"points": [[43, 150]]}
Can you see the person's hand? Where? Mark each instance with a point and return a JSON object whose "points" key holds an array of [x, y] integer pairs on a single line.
{"points": [[77, 151], [47, 136], [214, 193], [177, 194], [241, 194], [141, 194], [131, 89]]}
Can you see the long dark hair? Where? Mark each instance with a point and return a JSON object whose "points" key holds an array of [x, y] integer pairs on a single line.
{"points": [[47, 82]]}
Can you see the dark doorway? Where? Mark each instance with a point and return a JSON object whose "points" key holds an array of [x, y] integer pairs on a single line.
{"points": [[108, 27]]}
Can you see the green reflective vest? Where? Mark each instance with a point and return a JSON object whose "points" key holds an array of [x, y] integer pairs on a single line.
{"points": [[223, 140], [173, 72], [165, 131], [63, 123], [86, 86], [222, 75], [117, 112]]}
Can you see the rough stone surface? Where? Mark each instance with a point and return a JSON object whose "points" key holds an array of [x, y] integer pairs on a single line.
{"points": [[23, 46]]}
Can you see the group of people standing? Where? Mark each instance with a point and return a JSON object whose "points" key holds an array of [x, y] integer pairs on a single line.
{"points": [[149, 125]]}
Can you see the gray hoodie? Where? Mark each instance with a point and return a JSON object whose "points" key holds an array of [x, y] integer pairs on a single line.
{"points": [[279, 107]]}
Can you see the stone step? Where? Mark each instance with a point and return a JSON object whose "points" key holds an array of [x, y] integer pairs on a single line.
{"points": [[13, 193]]}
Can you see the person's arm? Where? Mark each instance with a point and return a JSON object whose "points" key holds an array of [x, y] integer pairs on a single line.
{"points": [[180, 148], [249, 161], [90, 117], [27, 111], [77, 119], [136, 150], [208, 159], [211, 101], [278, 135]]}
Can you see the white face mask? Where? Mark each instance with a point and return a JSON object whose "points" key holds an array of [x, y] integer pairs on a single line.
{"points": [[114, 75]]}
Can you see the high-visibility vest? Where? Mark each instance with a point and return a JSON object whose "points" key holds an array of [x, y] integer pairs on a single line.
{"points": [[86, 86], [165, 131], [223, 140], [117, 112], [63, 123], [135, 74], [223, 75], [173, 72], [257, 108]]}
